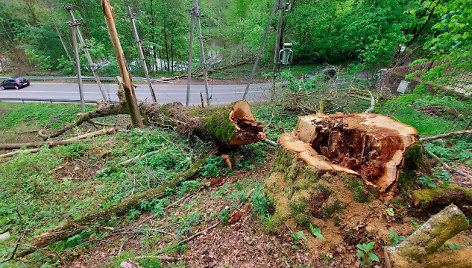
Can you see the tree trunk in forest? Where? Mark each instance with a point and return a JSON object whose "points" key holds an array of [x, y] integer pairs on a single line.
{"points": [[430, 236], [327, 156]]}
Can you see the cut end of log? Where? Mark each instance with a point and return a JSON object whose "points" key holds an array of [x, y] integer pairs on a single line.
{"points": [[367, 145], [247, 129]]}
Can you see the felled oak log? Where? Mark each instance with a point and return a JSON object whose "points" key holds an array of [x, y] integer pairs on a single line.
{"points": [[224, 125], [430, 236], [229, 125], [371, 146]]}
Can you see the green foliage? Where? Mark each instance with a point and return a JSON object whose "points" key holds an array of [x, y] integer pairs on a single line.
{"points": [[396, 238], [213, 167], [298, 237], [440, 178], [260, 204], [364, 253], [390, 212], [316, 232]]}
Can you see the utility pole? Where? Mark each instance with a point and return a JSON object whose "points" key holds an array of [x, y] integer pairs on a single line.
{"points": [[190, 55], [202, 52], [140, 50], [93, 66], [261, 48], [131, 101], [73, 25], [277, 46]]}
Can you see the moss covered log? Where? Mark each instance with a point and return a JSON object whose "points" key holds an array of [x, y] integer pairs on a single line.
{"points": [[435, 199], [76, 226], [232, 124], [432, 234]]}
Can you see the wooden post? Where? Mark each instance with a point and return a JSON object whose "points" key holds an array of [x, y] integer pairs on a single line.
{"points": [[73, 26], [190, 55], [202, 51], [87, 54], [277, 47], [140, 50], [261, 48], [131, 100]]}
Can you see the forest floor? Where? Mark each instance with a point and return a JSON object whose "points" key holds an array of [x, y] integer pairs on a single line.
{"points": [[40, 191]]}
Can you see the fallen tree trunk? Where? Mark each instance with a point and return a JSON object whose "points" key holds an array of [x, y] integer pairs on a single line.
{"points": [[76, 226], [430, 236], [224, 125], [438, 198], [11, 146]]}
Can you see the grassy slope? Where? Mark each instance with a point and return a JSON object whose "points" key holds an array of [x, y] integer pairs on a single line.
{"points": [[39, 190]]}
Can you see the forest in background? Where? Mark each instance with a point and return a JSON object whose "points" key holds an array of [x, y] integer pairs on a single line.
{"points": [[370, 31]]}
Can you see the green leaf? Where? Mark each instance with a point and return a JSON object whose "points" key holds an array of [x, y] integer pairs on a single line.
{"points": [[390, 212], [373, 257], [360, 254]]}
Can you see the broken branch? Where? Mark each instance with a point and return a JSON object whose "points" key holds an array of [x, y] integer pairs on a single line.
{"points": [[10, 146], [446, 135]]}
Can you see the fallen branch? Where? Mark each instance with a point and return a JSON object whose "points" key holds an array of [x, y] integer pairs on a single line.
{"points": [[10, 154], [449, 168], [76, 226], [129, 161], [112, 109], [431, 235], [11, 146], [446, 135]]}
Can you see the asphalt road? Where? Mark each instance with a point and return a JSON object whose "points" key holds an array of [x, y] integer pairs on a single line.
{"points": [[165, 92]]}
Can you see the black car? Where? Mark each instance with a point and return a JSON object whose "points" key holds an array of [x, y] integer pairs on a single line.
{"points": [[15, 83]]}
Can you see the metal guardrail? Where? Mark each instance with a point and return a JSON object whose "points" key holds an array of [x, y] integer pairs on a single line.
{"points": [[85, 78], [22, 100]]}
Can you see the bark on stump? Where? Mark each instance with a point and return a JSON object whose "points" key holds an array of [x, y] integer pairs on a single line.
{"points": [[431, 235], [368, 151]]}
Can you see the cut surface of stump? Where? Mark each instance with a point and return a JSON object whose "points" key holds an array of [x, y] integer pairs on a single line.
{"points": [[367, 145]]}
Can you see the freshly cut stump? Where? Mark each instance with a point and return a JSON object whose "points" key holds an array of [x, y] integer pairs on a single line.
{"points": [[335, 164], [367, 145]]}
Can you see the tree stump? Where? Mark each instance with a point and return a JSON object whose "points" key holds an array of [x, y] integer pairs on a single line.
{"points": [[366, 153]]}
